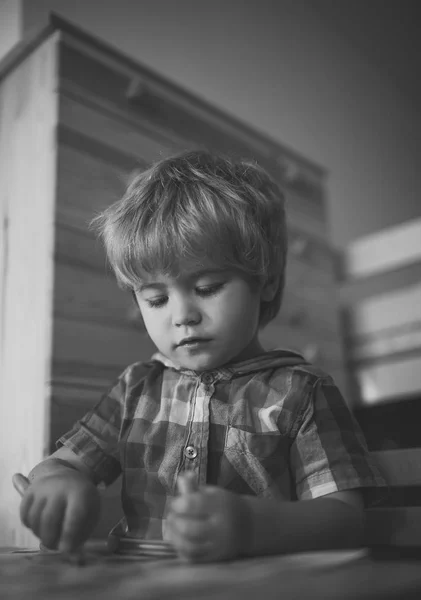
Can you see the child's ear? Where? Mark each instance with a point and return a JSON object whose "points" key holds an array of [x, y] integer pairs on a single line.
{"points": [[269, 288]]}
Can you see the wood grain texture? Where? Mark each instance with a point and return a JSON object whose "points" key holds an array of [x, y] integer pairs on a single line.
{"points": [[98, 343], [28, 117], [79, 247], [87, 184], [111, 131], [339, 575], [84, 295]]}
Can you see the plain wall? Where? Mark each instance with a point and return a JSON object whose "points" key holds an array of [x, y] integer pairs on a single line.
{"points": [[11, 24], [283, 69]]}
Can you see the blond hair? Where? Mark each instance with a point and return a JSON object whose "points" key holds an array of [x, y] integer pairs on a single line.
{"points": [[194, 206]]}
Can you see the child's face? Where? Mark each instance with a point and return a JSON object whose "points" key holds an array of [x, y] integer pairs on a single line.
{"points": [[217, 309]]}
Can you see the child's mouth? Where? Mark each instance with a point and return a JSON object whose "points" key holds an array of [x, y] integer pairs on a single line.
{"points": [[193, 342]]}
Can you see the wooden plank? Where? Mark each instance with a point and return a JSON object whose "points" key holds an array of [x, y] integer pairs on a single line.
{"points": [[28, 117], [88, 120], [86, 186], [70, 375], [87, 145], [78, 247], [356, 291], [392, 310], [389, 345], [386, 250], [111, 131], [401, 467], [99, 344], [84, 62], [84, 295], [390, 380]]}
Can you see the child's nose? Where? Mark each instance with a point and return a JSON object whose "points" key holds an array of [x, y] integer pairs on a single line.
{"points": [[185, 313]]}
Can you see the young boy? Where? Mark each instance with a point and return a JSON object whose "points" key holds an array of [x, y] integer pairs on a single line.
{"points": [[200, 241]]}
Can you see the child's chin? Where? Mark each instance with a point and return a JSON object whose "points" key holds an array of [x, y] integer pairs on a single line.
{"points": [[200, 364]]}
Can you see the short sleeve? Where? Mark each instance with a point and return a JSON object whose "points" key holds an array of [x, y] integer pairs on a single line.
{"points": [[95, 438], [329, 452]]}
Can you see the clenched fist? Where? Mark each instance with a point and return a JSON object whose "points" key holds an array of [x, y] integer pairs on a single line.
{"points": [[62, 509], [208, 524]]}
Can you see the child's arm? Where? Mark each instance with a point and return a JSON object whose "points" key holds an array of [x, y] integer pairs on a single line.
{"points": [[63, 458], [214, 524], [329, 522]]}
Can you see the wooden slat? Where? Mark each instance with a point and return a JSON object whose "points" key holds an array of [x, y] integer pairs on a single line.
{"points": [[401, 467], [385, 250], [110, 131], [79, 247], [98, 344], [28, 117], [356, 291], [83, 295], [391, 380], [390, 345], [91, 67], [87, 184], [388, 311]]}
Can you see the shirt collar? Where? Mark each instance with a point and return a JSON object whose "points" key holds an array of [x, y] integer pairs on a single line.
{"points": [[279, 357]]}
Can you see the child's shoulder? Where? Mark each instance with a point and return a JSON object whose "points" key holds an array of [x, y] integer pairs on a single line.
{"points": [[138, 372], [301, 375]]}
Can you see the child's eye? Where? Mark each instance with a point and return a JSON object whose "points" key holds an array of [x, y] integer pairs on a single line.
{"points": [[157, 302], [209, 290]]}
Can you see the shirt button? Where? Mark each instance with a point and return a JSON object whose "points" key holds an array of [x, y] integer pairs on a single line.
{"points": [[207, 378], [190, 452]]}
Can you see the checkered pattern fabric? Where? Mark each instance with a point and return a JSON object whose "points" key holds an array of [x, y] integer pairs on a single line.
{"points": [[273, 426]]}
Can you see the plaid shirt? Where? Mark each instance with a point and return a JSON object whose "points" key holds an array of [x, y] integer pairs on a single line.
{"points": [[273, 426]]}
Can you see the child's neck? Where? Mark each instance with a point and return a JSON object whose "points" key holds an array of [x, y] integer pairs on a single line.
{"points": [[253, 349]]}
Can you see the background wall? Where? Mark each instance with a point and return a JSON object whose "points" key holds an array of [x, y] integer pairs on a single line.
{"points": [[283, 68], [11, 24]]}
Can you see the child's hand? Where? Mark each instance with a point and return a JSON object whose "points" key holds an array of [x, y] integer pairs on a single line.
{"points": [[210, 524], [61, 509]]}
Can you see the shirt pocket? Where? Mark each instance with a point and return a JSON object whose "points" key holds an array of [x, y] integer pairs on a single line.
{"points": [[260, 459]]}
